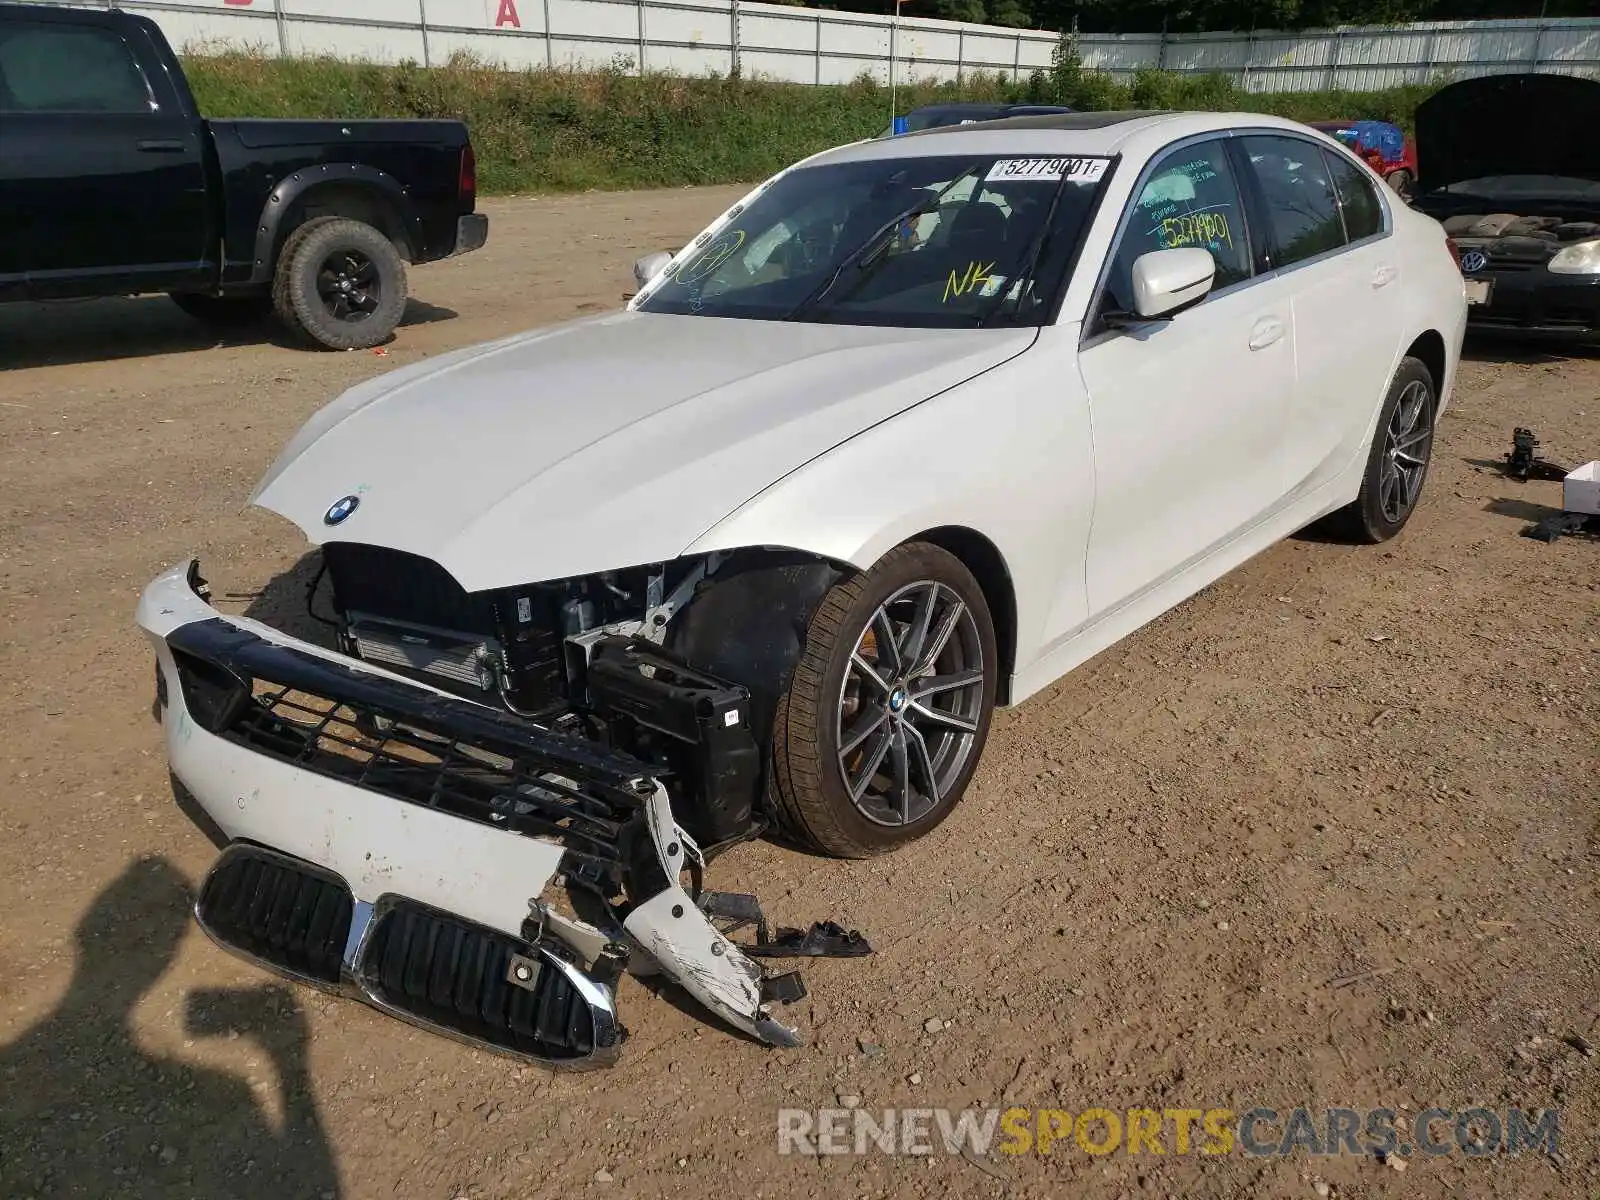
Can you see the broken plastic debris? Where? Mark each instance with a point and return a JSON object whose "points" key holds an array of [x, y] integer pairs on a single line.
{"points": [[825, 939]]}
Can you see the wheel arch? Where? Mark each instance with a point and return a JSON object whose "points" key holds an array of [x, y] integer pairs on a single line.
{"points": [[988, 566], [353, 190], [747, 622], [720, 627], [1428, 347]]}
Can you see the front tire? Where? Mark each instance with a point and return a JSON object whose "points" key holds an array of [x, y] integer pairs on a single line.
{"points": [[1397, 464], [340, 283], [888, 709]]}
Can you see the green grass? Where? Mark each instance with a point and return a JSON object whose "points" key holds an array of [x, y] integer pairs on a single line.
{"points": [[564, 131]]}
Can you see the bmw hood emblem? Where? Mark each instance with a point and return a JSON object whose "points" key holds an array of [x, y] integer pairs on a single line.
{"points": [[340, 510]]}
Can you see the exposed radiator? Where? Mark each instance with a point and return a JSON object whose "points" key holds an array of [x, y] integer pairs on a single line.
{"points": [[463, 658], [408, 614]]}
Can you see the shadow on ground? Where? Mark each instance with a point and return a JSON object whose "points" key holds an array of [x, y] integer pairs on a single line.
{"points": [[1524, 351], [88, 1112], [285, 602], [59, 333], [1522, 510]]}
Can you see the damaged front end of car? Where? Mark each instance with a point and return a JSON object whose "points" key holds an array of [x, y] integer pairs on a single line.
{"points": [[457, 860]]}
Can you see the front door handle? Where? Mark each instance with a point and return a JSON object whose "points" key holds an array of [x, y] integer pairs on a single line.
{"points": [[1267, 330], [1384, 276], [162, 146]]}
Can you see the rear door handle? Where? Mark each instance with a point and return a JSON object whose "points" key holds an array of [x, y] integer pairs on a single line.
{"points": [[1266, 331], [1383, 276], [163, 146]]}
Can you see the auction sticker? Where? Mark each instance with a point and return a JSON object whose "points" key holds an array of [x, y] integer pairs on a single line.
{"points": [[1048, 170]]}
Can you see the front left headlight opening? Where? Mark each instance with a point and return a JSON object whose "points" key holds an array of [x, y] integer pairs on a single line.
{"points": [[1580, 258]]}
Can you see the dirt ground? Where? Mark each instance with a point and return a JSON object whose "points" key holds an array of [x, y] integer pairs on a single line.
{"points": [[1372, 763]]}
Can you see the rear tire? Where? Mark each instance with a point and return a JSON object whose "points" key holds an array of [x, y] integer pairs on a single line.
{"points": [[340, 284], [1397, 464], [888, 709], [223, 312]]}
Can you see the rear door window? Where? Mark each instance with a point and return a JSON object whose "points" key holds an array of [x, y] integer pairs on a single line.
{"points": [[1302, 209], [1191, 199], [47, 68]]}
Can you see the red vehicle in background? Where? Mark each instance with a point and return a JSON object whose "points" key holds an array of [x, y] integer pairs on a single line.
{"points": [[1385, 147]]}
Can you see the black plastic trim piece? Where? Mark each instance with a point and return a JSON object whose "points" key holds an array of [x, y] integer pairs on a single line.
{"points": [[251, 657], [709, 718]]}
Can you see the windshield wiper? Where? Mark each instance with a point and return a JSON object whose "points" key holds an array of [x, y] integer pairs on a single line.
{"points": [[860, 253], [1027, 264]]}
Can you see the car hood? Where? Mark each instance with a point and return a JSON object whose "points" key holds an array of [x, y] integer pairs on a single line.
{"points": [[603, 443], [1509, 125]]}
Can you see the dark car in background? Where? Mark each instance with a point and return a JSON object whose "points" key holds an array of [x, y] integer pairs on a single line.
{"points": [[934, 116], [1511, 166], [112, 184]]}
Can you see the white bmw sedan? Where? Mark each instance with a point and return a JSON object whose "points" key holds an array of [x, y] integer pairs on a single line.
{"points": [[911, 431]]}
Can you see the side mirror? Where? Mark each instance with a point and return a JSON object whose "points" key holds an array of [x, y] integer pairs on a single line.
{"points": [[648, 267], [1165, 282]]}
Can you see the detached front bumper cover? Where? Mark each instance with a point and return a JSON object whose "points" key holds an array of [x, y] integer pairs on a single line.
{"points": [[393, 842]]}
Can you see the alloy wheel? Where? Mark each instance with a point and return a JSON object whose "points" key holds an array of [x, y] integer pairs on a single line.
{"points": [[1407, 445], [350, 286], [910, 704]]}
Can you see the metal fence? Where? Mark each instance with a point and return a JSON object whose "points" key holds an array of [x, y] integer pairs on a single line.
{"points": [[694, 37]]}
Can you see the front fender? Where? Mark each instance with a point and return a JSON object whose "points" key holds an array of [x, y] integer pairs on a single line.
{"points": [[1007, 455]]}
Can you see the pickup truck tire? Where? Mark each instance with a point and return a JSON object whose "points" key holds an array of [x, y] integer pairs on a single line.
{"points": [[224, 312], [340, 283]]}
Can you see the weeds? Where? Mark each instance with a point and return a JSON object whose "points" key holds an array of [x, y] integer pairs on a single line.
{"points": [[566, 130]]}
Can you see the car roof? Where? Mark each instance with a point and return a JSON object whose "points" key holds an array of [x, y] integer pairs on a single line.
{"points": [[1135, 132], [49, 12], [1078, 120], [974, 106]]}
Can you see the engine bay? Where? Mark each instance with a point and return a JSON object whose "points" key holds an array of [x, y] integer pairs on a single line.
{"points": [[1512, 239], [581, 657]]}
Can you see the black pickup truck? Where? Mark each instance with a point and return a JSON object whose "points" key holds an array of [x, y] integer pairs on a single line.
{"points": [[112, 184]]}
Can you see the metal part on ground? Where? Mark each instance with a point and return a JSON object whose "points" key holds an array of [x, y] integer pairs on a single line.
{"points": [[824, 939], [1524, 462], [1562, 524]]}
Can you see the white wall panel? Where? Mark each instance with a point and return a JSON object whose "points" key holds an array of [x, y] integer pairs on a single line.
{"points": [[695, 37]]}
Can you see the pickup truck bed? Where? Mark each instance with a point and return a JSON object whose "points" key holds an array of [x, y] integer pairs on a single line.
{"points": [[111, 183]]}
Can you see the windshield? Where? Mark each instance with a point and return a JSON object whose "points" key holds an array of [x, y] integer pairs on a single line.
{"points": [[943, 241]]}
